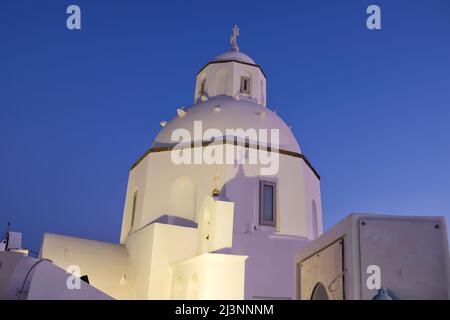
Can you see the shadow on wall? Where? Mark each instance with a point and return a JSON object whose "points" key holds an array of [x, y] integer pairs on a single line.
{"points": [[244, 191]]}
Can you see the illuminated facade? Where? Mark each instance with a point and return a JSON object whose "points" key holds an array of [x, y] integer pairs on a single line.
{"points": [[225, 206], [222, 230]]}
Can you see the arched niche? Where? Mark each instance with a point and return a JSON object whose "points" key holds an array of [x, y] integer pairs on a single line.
{"points": [[177, 289], [193, 288], [182, 198], [221, 82]]}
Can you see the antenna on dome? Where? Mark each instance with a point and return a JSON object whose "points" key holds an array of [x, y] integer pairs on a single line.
{"points": [[233, 38]]}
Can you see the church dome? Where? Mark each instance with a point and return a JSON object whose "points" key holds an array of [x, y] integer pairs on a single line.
{"points": [[230, 94], [223, 113], [235, 56]]}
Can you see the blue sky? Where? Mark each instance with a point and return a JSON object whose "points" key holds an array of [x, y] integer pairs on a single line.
{"points": [[371, 109]]}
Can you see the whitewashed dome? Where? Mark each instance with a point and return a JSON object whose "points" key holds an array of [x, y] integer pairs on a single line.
{"points": [[234, 55], [232, 114]]}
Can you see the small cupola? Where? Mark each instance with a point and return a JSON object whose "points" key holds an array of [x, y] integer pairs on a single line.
{"points": [[233, 74]]}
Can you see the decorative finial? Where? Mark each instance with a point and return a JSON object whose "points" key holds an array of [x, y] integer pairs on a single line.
{"points": [[181, 112], [233, 38]]}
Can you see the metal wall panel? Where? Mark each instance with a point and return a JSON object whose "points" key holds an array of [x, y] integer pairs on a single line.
{"points": [[325, 268], [410, 254]]}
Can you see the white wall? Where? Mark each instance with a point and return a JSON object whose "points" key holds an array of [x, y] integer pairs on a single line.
{"points": [[225, 79], [292, 209], [155, 198], [174, 244], [297, 186], [209, 276], [137, 181], [106, 264], [312, 188], [182, 202], [270, 271], [139, 245], [152, 250], [215, 225]]}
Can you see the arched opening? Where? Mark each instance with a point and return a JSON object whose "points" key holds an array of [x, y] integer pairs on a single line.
{"points": [[182, 198], [193, 288], [221, 82], [319, 292]]}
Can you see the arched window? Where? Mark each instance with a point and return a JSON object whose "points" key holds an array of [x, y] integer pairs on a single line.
{"points": [[245, 85]]}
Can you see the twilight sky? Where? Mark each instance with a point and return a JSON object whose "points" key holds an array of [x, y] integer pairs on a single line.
{"points": [[370, 109]]}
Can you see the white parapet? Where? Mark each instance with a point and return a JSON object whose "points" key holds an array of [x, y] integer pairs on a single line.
{"points": [[106, 264], [209, 276]]}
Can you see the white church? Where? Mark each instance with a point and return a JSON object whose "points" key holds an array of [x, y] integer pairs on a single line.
{"points": [[233, 229]]}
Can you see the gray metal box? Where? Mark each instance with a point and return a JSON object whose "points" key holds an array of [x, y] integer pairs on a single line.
{"points": [[14, 240], [411, 253]]}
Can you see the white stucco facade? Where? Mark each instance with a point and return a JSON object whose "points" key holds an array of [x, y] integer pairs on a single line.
{"points": [[202, 220], [197, 230], [157, 186]]}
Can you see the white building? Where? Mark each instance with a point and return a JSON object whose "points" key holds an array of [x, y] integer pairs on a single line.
{"points": [[219, 208], [207, 231]]}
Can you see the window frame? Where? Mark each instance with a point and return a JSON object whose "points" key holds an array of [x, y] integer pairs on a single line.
{"points": [[262, 221], [249, 86]]}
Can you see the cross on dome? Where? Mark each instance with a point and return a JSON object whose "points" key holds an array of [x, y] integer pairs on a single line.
{"points": [[233, 38]]}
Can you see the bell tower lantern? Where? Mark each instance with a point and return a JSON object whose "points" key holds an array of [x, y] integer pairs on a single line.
{"points": [[233, 74]]}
